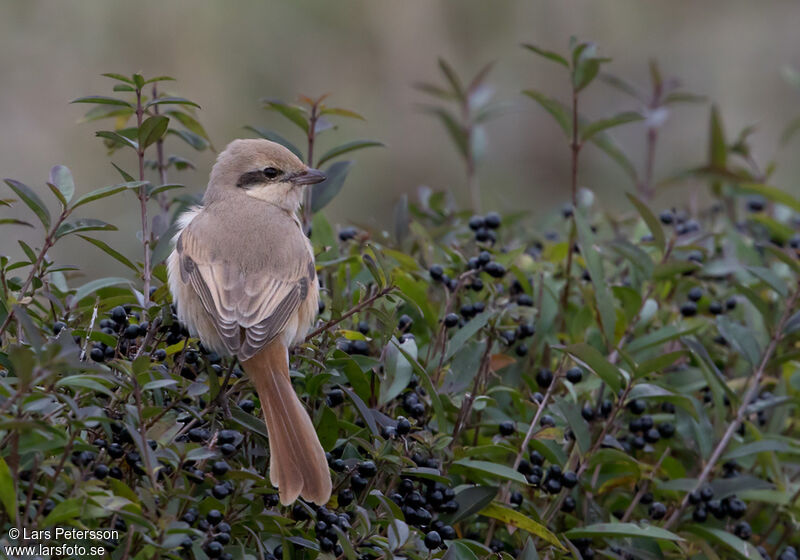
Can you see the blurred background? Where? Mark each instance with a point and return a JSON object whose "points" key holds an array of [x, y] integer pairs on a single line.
{"points": [[368, 54]]}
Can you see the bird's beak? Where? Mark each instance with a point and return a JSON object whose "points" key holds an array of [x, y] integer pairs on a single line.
{"points": [[310, 176]]}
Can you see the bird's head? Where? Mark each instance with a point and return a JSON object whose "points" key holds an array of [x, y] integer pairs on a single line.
{"points": [[261, 169]]}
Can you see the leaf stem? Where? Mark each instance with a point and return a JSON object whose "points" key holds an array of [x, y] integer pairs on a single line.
{"points": [[146, 272]]}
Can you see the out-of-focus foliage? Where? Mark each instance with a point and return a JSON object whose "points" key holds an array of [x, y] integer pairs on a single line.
{"points": [[621, 383]]}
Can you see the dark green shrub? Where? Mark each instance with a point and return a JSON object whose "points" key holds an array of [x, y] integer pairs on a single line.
{"points": [[484, 387]]}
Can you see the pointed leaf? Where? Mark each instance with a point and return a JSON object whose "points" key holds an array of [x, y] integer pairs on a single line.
{"points": [[595, 361], [599, 125], [14, 221], [605, 143], [521, 521], [275, 137], [615, 530], [557, 109], [742, 549], [653, 224], [322, 193], [170, 101], [342, 113], [31, 199], [295, 114], [110, 251], [550, 55], [91, 287], [491, 469], [346, 148], [452, 78], [190, 123], [190, 138], [61, 177], [152, 130], [85, 224], [594, 263], [117, 138], [8, 493], [97, 194], [118, 77], [102, 100]]}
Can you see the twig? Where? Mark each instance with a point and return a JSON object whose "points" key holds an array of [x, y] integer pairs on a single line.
{"points": [[355, 309], [645, 485], [91, 327], [49, 241], [146, 272], [755, 384]]}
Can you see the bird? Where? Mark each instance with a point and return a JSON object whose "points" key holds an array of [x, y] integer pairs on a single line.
{"points": [[243, 279]]}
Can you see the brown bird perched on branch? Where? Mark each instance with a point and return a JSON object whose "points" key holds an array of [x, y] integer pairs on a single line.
{"points": [[243, 279]]}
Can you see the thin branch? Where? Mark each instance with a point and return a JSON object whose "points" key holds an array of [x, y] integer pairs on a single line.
{"points": [[755, 385], [358, 307]]}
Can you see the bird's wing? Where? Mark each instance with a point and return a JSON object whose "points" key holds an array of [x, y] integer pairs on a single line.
{"points": [[249, 305]]}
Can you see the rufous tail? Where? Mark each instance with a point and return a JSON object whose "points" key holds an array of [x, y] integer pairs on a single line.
{"points": [[297, 461]]}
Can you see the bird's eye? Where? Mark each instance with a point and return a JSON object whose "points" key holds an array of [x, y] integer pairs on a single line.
{"points": [[271, 172]]}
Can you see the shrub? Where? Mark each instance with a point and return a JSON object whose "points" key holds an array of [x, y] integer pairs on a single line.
{"points": [[482, 387]]}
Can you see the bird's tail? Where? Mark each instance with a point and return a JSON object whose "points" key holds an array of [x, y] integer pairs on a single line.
{"points": [[297, 461]]}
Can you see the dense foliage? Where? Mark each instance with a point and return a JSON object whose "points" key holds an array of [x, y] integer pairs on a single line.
{"points": [[615, 384]]}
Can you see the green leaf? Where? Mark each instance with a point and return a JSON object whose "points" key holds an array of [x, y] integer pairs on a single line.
{"points": [[190, 138], [457, 133], [346, 148], [550, 55], [152, 130], [605, 143], [471, 499], [452, 78], [717, 149], [762, 446], [85, 224], [117, 138], [592, 359], [97, 194], [322, 193], [190, 123], [742, 549], [64, 511], [615, 530], [102, 100], [91, 287], [158, 384], [521, 521], [8, 493], [556, 109], [741, 338], [655, 392], [398, 370], [339, 112], [588, 131], [653, 224], [459, 551], [31, 199], [790, 130], [110, 251], [603, 299], [275, 137], [295, 114], [61, 177], [770, 279], [15, 221], [466, 332], [170, 101], [572, 413], [118, 77], [427, 384], [492, 469], [160, 79]]}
